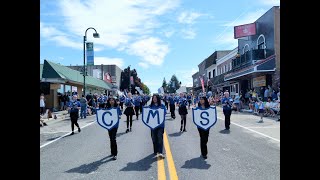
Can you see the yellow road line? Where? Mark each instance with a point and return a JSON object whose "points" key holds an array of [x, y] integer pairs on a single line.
{"points": [[170, 162], [161, 170]]}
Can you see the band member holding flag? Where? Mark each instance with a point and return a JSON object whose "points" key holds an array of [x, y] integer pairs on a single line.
{"points": [[129, 111], [204, 134], [157, 133], [111, 103], [183, 103]]}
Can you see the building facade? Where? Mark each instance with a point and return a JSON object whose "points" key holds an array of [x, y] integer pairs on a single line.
{"points": [[258, 61], [223, 66], [108, 73]]}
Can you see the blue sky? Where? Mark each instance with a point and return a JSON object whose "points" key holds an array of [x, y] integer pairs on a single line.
{"points": [[158, 38]]}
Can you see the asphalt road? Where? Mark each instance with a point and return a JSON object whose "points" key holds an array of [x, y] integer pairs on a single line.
{"points": [[249, 151]]}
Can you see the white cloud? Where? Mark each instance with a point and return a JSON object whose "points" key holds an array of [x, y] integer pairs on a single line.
{"points": [[188, 33], [152, 50], [270, 2], [53, 34], [143, 65], [117, 22], [188, 17], [108, 61], [185, 76]]}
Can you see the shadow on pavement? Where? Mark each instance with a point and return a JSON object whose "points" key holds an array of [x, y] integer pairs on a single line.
{"points": [[196, 163], [224, 131], [88, 168], [120, 134], [176, 134], [141, 165]]}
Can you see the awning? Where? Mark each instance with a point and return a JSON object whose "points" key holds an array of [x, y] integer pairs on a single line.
{"points": [[266, 65]]}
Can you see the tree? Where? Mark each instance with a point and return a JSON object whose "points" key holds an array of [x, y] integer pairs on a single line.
{"points": [[145, 89], [164, 84], [174, 84]]}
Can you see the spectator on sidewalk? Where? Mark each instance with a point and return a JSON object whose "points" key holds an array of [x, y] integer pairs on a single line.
{"points": [[83, 104], [268, 108], [261, 110], [42, 104], [237, 102], [266, 95]]}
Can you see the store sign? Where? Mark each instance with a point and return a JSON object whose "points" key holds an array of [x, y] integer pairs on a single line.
{"points": [[259, 81], [244, 30], [90, 53]]}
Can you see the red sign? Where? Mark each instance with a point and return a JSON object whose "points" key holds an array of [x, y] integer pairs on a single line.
{"points": [[244, 30], [107, 77]]}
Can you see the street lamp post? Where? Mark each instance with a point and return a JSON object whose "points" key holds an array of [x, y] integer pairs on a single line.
{"points": [[95, 35], [129, 78]]}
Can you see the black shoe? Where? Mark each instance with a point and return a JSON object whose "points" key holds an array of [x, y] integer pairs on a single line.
{"points": [[114, 158], [79, 130], [130, 129], [204, 157], [227, 129], [40, 125], [72, 133], [45, 124], [184, 130], [127, 130], [181, 129]]}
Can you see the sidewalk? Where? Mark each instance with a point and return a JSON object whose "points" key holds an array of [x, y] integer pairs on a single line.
{"points": [[270, 126]]}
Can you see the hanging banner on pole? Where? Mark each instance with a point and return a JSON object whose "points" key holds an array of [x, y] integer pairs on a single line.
{"points": [[90, 54]]}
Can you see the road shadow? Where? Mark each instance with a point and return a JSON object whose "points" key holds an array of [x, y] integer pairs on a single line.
{"points": [[196, 163], [88, 168], [141, 165], [176, 134], [120, 134], [224, 131]]}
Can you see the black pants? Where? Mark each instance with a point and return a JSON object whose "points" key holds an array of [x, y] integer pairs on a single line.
{"points": [[42, 110], [74, 119], [136, 108], [157, 139], [172, 110], [166, 104], [129, 117], [113, 141], [203, 141], [121, 105], [183, 121], [227, 115], [141, 108]]}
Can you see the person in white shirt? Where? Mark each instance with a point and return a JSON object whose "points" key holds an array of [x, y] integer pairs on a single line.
{"points": [[268, 107], [42, 104]]}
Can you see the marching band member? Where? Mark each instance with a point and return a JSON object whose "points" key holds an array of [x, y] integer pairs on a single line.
{"points": [[111, 103], [129, 111], [183, 103], [74, 106], [189, 97], [137, 103], [157, 133], [172, 106], [226, 105], [204, 134], [122, 99]]}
